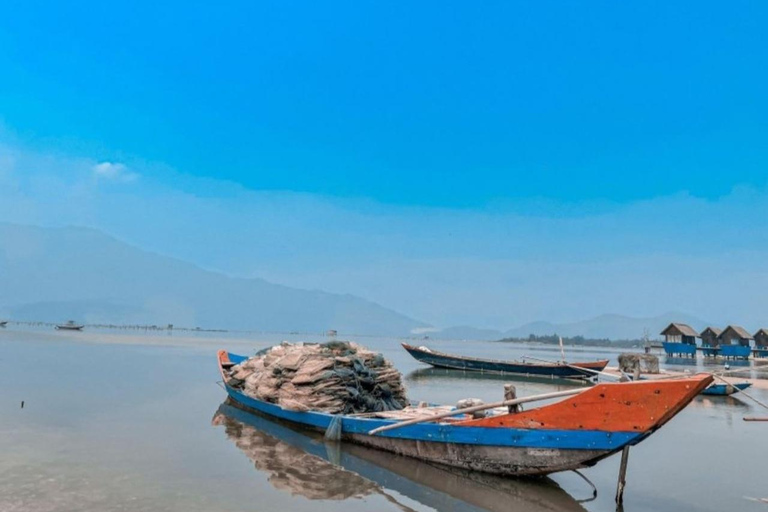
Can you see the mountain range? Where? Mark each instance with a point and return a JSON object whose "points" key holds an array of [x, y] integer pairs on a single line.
{"points": [[56, 274]]}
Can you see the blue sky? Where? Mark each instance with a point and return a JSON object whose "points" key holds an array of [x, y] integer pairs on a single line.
{"points": [[449, 104], [488, 163]]}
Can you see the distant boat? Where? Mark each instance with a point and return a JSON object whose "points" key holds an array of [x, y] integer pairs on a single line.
{"points": [[3, 323], [70, 326], [725, 389], [558, 370]]}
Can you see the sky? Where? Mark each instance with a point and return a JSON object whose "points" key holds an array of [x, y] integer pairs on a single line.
{"points": [[485, 164]]}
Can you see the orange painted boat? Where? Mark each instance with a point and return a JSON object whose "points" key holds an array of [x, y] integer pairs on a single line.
{"points": [[574, 433]]}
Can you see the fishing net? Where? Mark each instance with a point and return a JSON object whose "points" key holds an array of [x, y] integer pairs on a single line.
{"points": [[644, 363], [337, 377]]}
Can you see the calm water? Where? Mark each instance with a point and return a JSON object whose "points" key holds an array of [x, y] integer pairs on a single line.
{"points": [[114, 422]]}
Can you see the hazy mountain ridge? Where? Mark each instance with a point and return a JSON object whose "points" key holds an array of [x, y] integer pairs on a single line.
{"points": [[608, 326], [60, 273], [54, 274]]}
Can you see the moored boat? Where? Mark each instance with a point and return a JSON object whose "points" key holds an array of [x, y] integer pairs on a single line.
{"points": [[725, 389], [574, 433], [536, 369], [70, 326]]}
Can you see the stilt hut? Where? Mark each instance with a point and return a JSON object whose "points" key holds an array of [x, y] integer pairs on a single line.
{"points": [[710, 343], [731, 334], [681, 333], [734, 333], [761, 343], [680, 339], [761, 338], [709, 336]]}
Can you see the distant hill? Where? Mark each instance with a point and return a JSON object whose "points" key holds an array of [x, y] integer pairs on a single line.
{"points": [[55, 274], [614, 327]]}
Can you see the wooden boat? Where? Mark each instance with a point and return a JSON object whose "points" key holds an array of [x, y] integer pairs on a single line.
{"points": [[725, 389], [574, 433], [69, 326], [554, 370]]}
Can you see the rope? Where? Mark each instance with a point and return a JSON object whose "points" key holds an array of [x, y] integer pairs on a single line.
{"points": [[594, 488]]}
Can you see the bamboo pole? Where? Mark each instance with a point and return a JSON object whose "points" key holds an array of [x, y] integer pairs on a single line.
{"points": [[469, 410], [622, 483]]}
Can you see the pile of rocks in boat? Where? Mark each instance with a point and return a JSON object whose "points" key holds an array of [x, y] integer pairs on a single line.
{"points": [[338, 377]]}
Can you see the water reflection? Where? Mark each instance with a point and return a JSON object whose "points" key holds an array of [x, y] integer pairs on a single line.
{"points": [[300, 462]]}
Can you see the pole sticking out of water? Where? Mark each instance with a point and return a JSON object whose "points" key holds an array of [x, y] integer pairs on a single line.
{"points": [[622, 476], [562, 350]]}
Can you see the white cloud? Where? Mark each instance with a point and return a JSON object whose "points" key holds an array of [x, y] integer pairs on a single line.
{"points": [[114, 172]]}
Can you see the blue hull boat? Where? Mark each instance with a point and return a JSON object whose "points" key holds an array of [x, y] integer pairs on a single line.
{"points": [[725, 389], [552, 370], [574, 433]]}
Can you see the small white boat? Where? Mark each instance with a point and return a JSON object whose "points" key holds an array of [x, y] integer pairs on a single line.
{"points": [[70, 326]]}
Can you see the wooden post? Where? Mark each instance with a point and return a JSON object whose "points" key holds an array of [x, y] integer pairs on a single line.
{"points": [[510, 393], [622, 476]]}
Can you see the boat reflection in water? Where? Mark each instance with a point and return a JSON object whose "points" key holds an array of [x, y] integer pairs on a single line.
{"points": [[300, 462]]}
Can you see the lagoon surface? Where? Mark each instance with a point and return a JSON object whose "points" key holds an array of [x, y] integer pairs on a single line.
{"points": [[125, 422]]}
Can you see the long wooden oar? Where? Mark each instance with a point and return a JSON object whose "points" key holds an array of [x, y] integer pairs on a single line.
{"points": [[469, 410]]}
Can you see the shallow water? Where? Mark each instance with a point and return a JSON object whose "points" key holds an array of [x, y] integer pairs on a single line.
{"points": [[137, 422]]}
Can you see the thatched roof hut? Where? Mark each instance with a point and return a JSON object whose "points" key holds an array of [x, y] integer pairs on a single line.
{"points": [[734, 333], [710, 336], [761, 338], [680, 333]]}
